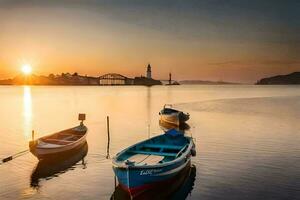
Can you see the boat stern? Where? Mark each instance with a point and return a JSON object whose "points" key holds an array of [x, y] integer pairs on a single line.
{"points": [[32, 146]]}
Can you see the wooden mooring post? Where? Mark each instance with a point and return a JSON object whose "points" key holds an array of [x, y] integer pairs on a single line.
{"points": [[108, 137], [32, 135]]}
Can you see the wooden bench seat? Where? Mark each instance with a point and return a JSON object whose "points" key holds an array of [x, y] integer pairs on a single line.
{"points": [[144, 159], [182, 150], [57, 140], [165, 146], [153, 153]]}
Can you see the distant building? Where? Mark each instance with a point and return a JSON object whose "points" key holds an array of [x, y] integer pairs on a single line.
{"points": [[172, 82], [91, 80], [149, 72], [146, 81]]}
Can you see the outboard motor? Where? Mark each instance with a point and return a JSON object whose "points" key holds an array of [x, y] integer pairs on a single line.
{"points": [[193, 150]]}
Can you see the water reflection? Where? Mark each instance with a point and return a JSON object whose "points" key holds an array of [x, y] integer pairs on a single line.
{"points": [[149, 110], [251, 143], [165, 126], [27, 110], [178, 188], [52, 167]]}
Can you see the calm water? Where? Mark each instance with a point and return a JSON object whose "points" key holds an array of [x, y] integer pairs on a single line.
{"points": [[247, 137]]}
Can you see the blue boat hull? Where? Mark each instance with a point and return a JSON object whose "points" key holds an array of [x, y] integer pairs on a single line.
{"points": [[178, 187], [137, 180]]}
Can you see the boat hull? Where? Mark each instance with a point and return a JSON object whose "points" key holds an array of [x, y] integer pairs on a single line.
{"points": [[41, 153], [48, 153], [178, 186], [170, 118], [137, 180], [165, 126], [174, 118]]}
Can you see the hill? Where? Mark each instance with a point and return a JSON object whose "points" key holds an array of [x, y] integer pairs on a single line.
{"points": [[289, 79]]}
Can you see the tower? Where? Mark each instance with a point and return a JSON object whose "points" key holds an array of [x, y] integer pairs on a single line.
{"points": [[170, 78], [149, 71]]}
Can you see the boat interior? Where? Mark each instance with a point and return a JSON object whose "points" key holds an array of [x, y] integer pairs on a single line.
{"points": [[64, 137], [157, 150], [169, 111]]}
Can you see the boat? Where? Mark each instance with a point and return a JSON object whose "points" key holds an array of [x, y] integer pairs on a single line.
{"points": [[50, 168], [173, 116], [56, 144], [153, 161]]}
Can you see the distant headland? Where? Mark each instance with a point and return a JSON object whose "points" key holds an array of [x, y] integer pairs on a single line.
{"points": [[289, 79], [201, 82]]}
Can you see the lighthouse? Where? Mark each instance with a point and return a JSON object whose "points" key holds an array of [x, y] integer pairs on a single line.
{"points": [[149, 71]]}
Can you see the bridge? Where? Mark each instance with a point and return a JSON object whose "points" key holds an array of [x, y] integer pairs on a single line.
{"points": [[115, 79]]}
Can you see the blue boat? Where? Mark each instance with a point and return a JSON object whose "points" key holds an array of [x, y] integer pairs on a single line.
{"points": [[153, 161]]}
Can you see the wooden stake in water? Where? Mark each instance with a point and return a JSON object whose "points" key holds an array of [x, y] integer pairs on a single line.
{"points": [[108, 137], [32, 135]]}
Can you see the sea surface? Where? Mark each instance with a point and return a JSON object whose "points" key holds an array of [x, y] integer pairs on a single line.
{"points": [[247, 139]]}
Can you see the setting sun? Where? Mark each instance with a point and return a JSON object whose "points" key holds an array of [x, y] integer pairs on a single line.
{"points": [[26, 69]]}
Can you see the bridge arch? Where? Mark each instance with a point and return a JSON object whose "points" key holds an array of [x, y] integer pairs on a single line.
{"points": [[114, 79]]}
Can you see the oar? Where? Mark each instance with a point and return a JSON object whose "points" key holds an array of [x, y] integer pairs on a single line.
{"points": [[9, 158]]}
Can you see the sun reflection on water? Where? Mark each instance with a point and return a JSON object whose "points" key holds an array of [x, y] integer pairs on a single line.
{"points": [[27, 111]]}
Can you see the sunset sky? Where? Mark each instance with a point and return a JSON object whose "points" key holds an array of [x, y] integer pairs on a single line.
{"points": [[239, 40]]}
